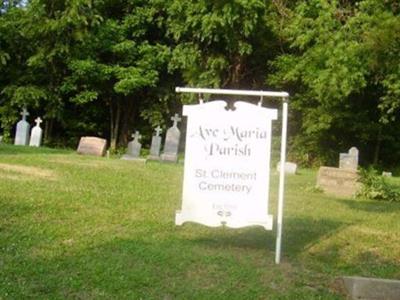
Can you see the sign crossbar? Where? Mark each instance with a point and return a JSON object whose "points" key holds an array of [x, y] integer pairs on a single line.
{"points": [[231, 92], [285, 98]]}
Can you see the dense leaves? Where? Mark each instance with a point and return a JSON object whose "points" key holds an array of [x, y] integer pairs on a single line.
{"points": [[109, 67]]}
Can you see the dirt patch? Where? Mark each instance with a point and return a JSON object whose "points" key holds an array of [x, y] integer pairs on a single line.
{"points": [[26, 171]]}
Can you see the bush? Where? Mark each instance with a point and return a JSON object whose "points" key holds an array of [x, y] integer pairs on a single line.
{"points": [[375, 187]]}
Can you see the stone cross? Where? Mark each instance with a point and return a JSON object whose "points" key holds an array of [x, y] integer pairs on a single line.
{"points": [[36, 134], [23, 128], [155, 145], [136, 136], [38, 121], [24, 114], [176, 119], [158, 130]]}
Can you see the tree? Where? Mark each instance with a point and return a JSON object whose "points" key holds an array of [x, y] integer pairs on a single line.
{"points": [[334, 68], [221, 43]]}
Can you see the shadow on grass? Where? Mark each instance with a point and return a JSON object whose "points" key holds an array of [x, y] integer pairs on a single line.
{"points": [[7, 149], [134, 269], [247, 238], [299, 234], [371, 206]]}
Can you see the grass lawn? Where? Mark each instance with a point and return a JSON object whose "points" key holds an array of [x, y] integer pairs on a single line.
{"points": [[79, 227]]}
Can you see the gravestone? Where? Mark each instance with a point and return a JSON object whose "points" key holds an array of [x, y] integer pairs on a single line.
{"points": [[134, 147], [172, 138], [91, 145], [36, 134], [386, 174], [349, 160], [338, 182], [22, 132], [155, 145], [364, 288], [227, 165], [290, 168], [342, 181]]}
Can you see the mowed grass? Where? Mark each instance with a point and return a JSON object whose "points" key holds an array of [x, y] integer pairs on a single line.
{"points": [[80, 227]]}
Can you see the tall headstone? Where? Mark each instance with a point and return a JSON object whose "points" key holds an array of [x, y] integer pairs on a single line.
{"points": [[349, 160], [134, 147], [22, 132], [36, 134], [155, 145], [172, 138]]}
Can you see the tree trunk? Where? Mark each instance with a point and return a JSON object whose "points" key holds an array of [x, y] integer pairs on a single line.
{"points": [[377, 146], [127, 120], [115, 117], [48, 128]]}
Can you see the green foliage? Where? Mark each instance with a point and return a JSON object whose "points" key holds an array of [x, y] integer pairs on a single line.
{"points": [[120, 226], [375, 187], [109, 67], [342, 69], [219, 44]]}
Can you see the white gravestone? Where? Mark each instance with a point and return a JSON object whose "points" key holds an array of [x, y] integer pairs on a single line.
{"points": [[349, 160], [22, 132], [155, 145], [134, 147], [227, 165], [290, 168], [36, 134], [172, 138]]}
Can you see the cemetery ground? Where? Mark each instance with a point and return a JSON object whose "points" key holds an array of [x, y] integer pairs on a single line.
{"points": [[80, 227]]}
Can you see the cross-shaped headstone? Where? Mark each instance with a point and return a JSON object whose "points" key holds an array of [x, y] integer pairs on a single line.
{"points": [[158, 130], [176, 119], [38, 120], [24, 114], [136, 136]]}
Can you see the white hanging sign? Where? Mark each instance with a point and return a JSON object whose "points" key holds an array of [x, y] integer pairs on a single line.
{"points": [[227, 165]]}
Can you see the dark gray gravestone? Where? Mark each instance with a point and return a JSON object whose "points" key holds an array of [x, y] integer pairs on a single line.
{"points": [[171, 145], [36, 134], [155, 145], [22, 132], [134, 147], [92, 146]]}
